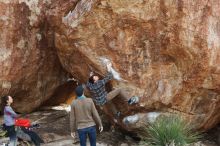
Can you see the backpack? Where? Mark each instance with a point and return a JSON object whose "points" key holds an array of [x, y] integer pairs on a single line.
{"points": [[23, 123]]}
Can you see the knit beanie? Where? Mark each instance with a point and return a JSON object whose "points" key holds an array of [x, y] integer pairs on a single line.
{"points": [[79, 90]]}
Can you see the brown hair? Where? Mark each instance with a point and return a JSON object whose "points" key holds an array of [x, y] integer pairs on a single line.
{"points": [[4, 102], [91, 80]]}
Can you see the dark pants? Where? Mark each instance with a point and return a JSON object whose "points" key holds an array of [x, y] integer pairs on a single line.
{"points": [[11, 132], [34, 136], [91, 132]]}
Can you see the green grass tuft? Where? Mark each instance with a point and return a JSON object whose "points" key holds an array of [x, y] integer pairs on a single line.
{"points": [[168, 131]]}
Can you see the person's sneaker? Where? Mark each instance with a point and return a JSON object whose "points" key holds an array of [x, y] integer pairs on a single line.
{"points": [[75, 140], [34, 126], [115, 120], [112, 129], [133, 100], [118, 114]]}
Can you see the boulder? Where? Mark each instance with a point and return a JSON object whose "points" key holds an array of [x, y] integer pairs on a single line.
{"points": [[166, 52], [30, 67]]}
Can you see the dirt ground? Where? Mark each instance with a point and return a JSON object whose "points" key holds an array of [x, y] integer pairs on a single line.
{"points": [[54, 130]]}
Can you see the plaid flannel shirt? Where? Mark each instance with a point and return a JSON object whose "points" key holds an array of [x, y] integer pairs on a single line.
{"points": [[98, 91]]}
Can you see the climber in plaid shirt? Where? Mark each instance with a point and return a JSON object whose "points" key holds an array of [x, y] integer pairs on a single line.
{"points": [[101, 97], [97, 89]]}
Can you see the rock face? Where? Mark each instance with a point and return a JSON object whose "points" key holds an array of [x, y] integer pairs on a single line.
{"points": [[30, 68], [167, 52]]}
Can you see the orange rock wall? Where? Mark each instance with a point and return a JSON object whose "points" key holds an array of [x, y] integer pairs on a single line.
{"points": [[30, 67], [167, 51]]}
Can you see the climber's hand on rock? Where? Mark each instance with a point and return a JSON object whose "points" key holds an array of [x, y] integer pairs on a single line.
{"points": [[100, 129], [109, 66], [91, 73]]}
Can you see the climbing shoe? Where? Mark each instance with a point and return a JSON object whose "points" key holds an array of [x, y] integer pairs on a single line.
{"points": [[133, 100]]}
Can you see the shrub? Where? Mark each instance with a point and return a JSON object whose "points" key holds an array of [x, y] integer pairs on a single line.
{"points": [[168, 131]]}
